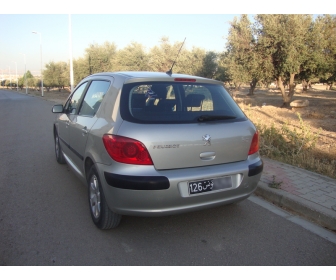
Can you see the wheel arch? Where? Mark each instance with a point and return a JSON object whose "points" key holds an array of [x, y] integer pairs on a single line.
{"points": [[88, 163]]}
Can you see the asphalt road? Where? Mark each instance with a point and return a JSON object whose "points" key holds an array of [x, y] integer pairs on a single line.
{"points": [[45, 219]]}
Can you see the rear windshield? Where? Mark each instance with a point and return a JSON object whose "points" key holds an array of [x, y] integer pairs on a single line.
{"points": [[176, 102]]}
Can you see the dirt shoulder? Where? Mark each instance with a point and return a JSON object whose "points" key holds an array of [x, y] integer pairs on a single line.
{"points": [[320, 115], [52, 95]]}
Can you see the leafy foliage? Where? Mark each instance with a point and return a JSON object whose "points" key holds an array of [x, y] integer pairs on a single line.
{"points": [[132, 58], [285, 39], [56, 75], [246, 59], [284, 48]]}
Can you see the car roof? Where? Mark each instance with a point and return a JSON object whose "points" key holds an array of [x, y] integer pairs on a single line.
{"points": [[132, 76]]}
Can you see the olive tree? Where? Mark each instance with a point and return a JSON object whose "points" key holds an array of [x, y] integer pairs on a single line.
{"points": [[131, 58], [246, 60], [325, 53], [56, 74], [162, 57], [285, 39], [100, 58]]}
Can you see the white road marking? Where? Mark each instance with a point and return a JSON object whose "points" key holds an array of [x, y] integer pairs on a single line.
{"points": [[318, 230]]}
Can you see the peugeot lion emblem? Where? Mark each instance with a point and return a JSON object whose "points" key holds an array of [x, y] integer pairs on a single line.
{"points": [[207, 138]]}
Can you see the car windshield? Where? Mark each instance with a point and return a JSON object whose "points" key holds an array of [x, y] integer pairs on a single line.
{"points": [[177, 102]]}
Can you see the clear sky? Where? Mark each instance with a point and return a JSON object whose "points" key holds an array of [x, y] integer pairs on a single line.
{"points": [[204, 24], [204, 31]]}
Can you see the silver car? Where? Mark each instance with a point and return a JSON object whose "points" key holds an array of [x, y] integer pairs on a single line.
{"points": [[155, 144]]}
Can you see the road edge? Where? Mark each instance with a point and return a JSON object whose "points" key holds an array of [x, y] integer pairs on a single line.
{"points": [[309, 210]]}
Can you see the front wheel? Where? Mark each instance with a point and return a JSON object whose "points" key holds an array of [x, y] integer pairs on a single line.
{"points": [[101, 214]]}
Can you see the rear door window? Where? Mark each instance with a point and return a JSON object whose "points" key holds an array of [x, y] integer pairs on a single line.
{"points": [[93, 98], [176, 102]]}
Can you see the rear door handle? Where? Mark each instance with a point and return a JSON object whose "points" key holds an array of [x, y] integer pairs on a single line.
{"points": [[84, 130]]}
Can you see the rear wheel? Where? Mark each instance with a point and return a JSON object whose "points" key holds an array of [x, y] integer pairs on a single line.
{"points": [[58, 150], [101, 214]]}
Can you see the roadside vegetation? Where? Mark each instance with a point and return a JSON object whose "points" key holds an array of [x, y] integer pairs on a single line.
{"points": [[296, 147], [295, 142], [282, 50]]}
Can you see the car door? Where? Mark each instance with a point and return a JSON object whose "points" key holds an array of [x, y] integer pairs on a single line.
{"points": [[82, 123], [70, 108]]}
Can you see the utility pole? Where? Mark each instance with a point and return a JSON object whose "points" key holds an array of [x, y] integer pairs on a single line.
{"points": [[35, 32], [10, 78], [17, 82], [25, 74], [70, 53]]}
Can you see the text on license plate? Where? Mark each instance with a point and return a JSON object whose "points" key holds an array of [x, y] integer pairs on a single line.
{"points": [[210, 185]]}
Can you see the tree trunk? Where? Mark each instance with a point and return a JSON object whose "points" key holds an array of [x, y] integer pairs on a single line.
{"points": [[304, 85], [292, 86], [237, 86], [282, 88], [331, 85], [286, 97], [253, 85]]}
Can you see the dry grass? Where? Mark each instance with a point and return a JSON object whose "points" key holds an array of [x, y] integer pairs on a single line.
{"points": [[303, 137]]}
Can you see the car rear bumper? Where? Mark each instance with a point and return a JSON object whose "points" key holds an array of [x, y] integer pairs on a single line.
{"points": [[148, 192]]}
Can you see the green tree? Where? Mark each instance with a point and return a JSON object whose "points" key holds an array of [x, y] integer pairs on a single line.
{"points": [[284, 38], [246, 59], [162, 57], [209, 65], [30, 79], [80, 69], [234, 72], [56, 74], [132, 58], [29, 75], [325, 52], [191, 62], [21, 81], [223, 73], [7, 83], [100, 58]]}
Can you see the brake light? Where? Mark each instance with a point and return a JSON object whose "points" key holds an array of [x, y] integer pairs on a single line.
{"points": [[184, 80], [126, 150], [254, 144]]}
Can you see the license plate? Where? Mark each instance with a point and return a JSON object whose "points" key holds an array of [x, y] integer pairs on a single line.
{"points": [[210, 185]]}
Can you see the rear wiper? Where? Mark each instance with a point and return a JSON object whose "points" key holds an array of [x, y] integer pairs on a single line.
{"points": [[205, 118]]}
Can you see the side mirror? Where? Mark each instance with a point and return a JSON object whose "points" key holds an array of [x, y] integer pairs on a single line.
{"points": [[57, 108]]}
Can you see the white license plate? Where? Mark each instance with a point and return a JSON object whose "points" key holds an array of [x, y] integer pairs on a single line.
{"points": [[210, 185]]}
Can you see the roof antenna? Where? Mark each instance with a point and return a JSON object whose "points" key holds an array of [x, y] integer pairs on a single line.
{"points": [[171, 69]]}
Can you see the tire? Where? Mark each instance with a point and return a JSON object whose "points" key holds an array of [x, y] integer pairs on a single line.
{"points": [[101, 214], [58, 150]]}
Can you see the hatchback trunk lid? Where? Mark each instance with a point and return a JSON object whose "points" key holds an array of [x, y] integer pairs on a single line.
{"points": [[173, 146]]}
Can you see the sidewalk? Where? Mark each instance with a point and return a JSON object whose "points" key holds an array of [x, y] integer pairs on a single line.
{"points": [[309, 194]]}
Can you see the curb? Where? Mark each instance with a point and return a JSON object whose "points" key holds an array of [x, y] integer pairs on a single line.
{"points": [[323, 216]]}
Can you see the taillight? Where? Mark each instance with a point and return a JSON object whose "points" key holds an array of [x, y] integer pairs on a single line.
{"points": [[126, 150], [255, 144]]}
